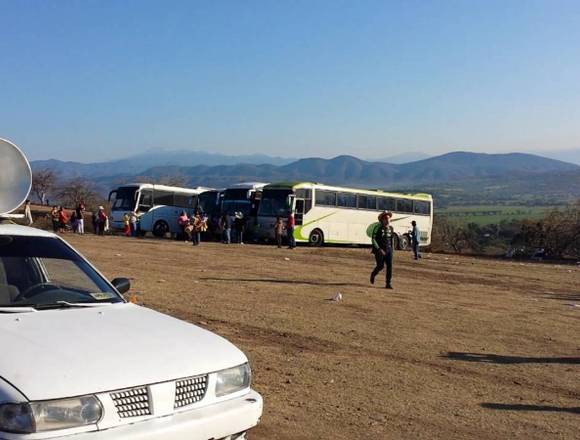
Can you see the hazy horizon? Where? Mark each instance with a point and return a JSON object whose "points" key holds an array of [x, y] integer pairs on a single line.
{"points": [[94, 80]]}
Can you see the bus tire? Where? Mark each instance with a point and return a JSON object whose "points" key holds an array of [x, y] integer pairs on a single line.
{"points": [[403, 242], [316, 238], [160, 229]]}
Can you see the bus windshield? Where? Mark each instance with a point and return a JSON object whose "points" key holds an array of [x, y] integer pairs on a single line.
{"points": [[124, 199], [274, 203]]}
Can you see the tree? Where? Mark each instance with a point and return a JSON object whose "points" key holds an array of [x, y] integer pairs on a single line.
{"points": [[43, 181], [448, 236], [75, 190]]}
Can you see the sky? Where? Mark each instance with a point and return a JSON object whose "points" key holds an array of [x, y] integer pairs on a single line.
{"points": [[94, 80]]}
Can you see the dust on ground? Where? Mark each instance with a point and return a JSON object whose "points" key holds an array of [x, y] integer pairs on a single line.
{"points": [[462, 348]]}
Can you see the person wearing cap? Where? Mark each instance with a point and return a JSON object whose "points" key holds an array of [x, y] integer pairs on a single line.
{"points": [[383, 245]]}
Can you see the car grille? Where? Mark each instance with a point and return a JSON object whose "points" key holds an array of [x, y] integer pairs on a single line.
{"points": [[190, 390], [132, 403]]}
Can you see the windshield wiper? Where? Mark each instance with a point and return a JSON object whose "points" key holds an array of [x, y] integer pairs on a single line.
{"points": [[68, 305], [17, 309]]}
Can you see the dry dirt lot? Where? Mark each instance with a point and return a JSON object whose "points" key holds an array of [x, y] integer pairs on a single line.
{"points": [[462, 348]]}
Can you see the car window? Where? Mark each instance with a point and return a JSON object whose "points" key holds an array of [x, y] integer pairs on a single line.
{"points": [[42, 270]]}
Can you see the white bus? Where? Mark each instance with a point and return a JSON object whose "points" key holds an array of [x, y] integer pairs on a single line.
{"points": [[156, 206], [332, 214]]}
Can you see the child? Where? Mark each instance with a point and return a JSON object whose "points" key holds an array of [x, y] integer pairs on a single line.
{"points": [[279, 230], [126, 225]]}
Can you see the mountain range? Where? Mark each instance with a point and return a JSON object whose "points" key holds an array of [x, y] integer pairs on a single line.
{"points": [[452, 170]]}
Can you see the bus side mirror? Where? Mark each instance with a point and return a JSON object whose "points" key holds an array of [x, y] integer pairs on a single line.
{"points": [[121, 284]]}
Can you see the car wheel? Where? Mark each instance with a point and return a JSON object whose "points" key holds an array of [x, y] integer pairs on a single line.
{"points": [[316, 238]]}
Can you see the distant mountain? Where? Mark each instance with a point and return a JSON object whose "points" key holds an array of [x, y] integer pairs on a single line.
{"points": [[349, 170], [572, 156], [458, 174], [401, 158], [141, 162]]}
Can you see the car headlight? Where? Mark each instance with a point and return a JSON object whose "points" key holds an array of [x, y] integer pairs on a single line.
{"points": [[232, 380], [49, 415]]}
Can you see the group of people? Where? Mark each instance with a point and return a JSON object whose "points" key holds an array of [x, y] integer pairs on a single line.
{"points": [[279, 227], [191, 228], [235, 222], [75, 222]]}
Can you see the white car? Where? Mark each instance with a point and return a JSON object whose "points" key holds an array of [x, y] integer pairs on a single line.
{"points": [[79, 362]]}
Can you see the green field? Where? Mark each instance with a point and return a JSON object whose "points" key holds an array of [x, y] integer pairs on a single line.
{"points": [[492, 214]]}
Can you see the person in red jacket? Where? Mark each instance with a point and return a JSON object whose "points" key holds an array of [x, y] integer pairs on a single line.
{"points": [[62, 219]]}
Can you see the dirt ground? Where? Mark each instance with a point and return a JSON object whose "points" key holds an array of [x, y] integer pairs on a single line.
{"points": [[462, 348]]}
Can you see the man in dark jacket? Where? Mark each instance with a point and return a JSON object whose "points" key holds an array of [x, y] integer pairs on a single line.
{"points": [[383, 237]]}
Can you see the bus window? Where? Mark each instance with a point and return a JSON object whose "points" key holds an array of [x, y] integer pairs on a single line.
{"points": [[182, 201], [274, 203], [163, 198], [367, 202], [346, 200], [423, 208], [385, 204], [325, 198], [404, 205], [124, 199]]}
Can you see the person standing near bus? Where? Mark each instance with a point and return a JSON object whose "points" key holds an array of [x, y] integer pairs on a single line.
{"points": [[383, 236], [127, 225], [290, 224], [226, 226], [240, 226], [183, 222], [279, 230], [415, 238], [133, 223]]}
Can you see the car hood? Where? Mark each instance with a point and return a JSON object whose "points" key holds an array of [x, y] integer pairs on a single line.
{"points": [[71, 352]]}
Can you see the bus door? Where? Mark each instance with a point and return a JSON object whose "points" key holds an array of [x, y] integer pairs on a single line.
{"points": [[145, 202], [299, 211], [302, 204]]}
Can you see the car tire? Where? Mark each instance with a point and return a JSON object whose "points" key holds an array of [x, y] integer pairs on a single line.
{"points": [[403, 242], [316, 238], [160, 229]]}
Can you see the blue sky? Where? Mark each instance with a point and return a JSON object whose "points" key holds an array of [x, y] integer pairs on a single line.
{"points": [[90, 80]]}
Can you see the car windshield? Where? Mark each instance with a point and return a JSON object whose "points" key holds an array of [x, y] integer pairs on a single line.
{"points": [[41, 271]]}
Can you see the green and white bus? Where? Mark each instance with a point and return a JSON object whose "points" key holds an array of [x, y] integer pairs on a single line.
{"points": [[332, 214]]}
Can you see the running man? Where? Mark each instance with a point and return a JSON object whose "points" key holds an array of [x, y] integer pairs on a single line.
{"points": [[383, 236]]}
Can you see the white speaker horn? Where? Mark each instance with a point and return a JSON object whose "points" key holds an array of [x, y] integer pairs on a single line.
{"points": [[15, 177]]}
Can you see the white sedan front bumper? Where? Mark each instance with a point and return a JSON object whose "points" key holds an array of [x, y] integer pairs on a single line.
{"points": [[216, 421]]}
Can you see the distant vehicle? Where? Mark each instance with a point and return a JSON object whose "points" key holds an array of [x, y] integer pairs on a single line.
{"points": [[243, 197], [156, 206], [68, 372], [332, 214]]}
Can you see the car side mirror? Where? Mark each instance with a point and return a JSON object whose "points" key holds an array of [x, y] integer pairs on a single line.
{"points": [[121, 284]]}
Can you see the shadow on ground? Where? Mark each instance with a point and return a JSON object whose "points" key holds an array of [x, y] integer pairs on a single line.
{"points": [[525, 407], [500, 359]]}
